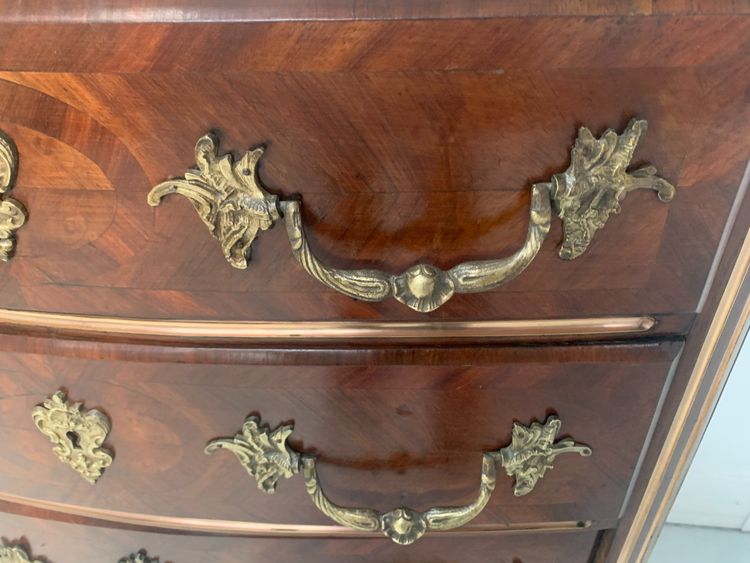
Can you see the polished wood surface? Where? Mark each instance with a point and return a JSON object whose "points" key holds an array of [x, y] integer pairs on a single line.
{"points": [[412, 131], [386, 434], [76, 540], [93, 11], [200, 332], [404, 150]]}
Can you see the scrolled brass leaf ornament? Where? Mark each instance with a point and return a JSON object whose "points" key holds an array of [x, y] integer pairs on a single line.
{"points": [[139, 557], [591, 189], [266, 457], [533, 451], [262, 452], [76, 434], [15, 554], [235, 207], [227, 196]]}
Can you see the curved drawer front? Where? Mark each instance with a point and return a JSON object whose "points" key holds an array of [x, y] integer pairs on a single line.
{"points": [[385, 431], [400, 159]]}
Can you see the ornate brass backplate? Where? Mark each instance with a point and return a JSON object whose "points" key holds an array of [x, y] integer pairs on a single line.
{"points": [[234, 206], [267, 457], [140, 557], [15, 554], [533, 451], [12, 213], [590, 190], [76, 434], [227, 196]]}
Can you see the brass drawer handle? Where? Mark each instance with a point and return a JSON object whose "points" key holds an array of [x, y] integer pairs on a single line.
{"points": [[76, 434], [423, 287], [266, 456], [234, 206]]}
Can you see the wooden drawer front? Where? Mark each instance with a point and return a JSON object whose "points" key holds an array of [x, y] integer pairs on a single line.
{"points": [[385, 435], [79, 542], [403, 153]]}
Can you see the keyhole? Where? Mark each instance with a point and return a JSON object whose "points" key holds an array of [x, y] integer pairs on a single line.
{"points": [[74, 439]]}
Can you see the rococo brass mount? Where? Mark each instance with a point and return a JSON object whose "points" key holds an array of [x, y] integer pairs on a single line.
{"points": [[15, 554], [76, 434], [235, 207], [12, 213], [266, 456]]}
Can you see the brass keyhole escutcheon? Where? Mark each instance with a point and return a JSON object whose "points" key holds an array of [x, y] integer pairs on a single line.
{"points": [[75, 440], [77, 434]]}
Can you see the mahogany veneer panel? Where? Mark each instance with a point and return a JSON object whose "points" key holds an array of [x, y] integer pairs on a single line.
{"points": [[386, 435], [405, 149]]}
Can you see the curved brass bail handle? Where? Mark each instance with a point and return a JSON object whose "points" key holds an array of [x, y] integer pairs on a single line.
{"points": [[266, 456], [235, 207], [423, 287], [403, 525]]}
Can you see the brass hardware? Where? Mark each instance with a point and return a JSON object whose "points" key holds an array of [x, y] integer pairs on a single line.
{"points": [[403, 525], [228, 198], [77, 434], [262, 452], [423, 287], [532, 452], [234, 206], [590, 190], [15, 554], [266, 456], [12, 213], [140, 557]]}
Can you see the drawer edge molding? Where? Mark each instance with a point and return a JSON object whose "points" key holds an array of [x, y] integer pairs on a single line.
{"points": [[90, 515], [235, 207], [323, 330], [267, 457]]}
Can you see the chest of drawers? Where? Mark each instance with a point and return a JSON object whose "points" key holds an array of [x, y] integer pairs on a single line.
{"points": [[464, 277]]}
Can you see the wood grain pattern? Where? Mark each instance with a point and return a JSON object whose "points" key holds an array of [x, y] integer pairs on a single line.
{"points": [[403, 150], [76, 541], [385, 435], [413, 131]]}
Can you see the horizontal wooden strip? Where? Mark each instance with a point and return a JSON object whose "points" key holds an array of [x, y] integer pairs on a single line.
{"points": [[178, 11], [241, 528], [497, 45], [322, 330]]}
